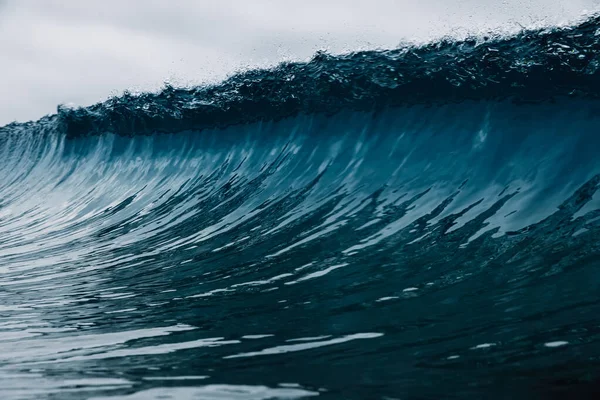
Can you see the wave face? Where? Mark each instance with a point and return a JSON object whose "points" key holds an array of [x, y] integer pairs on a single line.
{"points": [[421, 223]]}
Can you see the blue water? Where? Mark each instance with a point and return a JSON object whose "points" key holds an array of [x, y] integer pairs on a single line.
{"points": [[419, 223]]}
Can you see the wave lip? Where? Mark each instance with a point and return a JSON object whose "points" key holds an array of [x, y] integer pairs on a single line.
{"points": [[536, 65]]}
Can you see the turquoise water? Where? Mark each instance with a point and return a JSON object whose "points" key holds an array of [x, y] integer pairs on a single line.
{"points": [[340, 236]]}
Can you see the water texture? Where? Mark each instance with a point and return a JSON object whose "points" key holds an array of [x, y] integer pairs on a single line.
{"points": [[418, 223]]}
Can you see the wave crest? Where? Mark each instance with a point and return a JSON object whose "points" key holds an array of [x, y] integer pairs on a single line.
{"points": [[536, 65]]}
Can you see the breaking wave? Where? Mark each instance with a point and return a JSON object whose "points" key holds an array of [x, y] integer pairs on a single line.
{"points": [[413, 223]]}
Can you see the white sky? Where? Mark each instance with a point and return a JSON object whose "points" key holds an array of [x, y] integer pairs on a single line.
{"points": [[82, 51]]}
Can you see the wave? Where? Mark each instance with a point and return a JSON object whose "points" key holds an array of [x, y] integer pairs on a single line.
{"points": [[374, 225]]}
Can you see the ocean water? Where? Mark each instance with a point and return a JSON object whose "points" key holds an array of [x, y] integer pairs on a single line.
{"points": [[417, 223]]}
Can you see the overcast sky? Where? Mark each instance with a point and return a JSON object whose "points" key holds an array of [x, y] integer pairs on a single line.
{"points": [[80, 52]]}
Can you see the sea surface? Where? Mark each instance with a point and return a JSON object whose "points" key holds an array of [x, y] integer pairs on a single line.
{"points": [[415, 223]]}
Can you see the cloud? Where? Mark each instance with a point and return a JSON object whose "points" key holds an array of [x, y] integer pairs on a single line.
{"points": [[70, 51]]}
